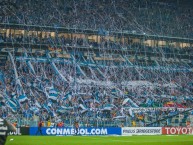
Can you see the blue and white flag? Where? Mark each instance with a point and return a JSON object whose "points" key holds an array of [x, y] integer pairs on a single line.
{"points": [[68, 96], [102, 32], [64, 109], [53, 94], [119, 117], [125, 101], [12, 105], [50, 104], [34, 109], [108, 107], [38, 104], [130, 101], [16, 102], [131, 112], [52, 113], [148, 102], [96, 101], [22, 98], [96, 97], [115, 93], [47, 108], [83, 108]]}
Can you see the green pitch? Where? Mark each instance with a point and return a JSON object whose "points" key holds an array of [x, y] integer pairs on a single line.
{"points": [[100, 140]]}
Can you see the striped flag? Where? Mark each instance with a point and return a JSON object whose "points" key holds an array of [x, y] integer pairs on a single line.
{"points": [[16, 102], [64, 109], [12, 105], [96, 97], [53, 94], [34, 109], [115, 92], [108, 107], [37, 104], [47, 108], [68, 96], [119, 117], [22, 98], [84, 109], [50, 104]]}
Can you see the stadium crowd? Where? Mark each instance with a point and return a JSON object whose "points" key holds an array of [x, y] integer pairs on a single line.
{"points": [[79, 92], [143, 17], [73, 88]]}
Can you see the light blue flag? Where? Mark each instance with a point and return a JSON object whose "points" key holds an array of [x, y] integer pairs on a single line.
{"points": [[53, 94], [22, 98]]}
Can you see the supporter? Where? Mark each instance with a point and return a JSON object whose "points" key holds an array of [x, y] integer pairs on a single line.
{"points": [[48, 123], [40, 124], [76, 125], [15, 124]]}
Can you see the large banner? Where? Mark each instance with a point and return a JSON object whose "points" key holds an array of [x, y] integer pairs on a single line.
{"points": [[151, 109], [141, 131], [20, 131], [177, 130], [81, 131]]}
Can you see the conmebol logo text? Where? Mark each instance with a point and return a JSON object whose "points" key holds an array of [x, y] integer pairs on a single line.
{"points": [[17, 132], [71, 131]]}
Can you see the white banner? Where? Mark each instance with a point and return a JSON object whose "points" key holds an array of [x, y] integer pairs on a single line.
{"points": [[151, 109], [141, 131]]}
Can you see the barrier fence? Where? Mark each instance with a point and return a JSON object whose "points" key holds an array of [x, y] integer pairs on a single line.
{"points": [[125, 131]]}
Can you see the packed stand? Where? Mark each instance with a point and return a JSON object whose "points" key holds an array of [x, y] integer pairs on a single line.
{"points": [[141, 17]]}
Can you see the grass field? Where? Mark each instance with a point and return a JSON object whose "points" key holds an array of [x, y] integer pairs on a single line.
{"points": [[100, 140]]}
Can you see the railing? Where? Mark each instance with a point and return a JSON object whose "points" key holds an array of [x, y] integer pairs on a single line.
{"points": [[177, 120]]}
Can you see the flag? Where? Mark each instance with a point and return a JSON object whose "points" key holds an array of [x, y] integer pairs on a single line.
{"points": [[53, 94], [68, 96], [125, 101], [119, 117], [113, 91], [102, 32], [129, 100], [108, 107], [16, 102], [148, 102], [2, 101], [80, 100], [12, 105], [34, 109], [50, 104], [82, 106], [37, 104], [64, 109], [22, 98], [46, 108], [96, 101], [84, 109], [52, 113], [131, 112], [96, 97]]}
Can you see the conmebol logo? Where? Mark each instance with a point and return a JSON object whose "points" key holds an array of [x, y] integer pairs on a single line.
{"points": [[17, 132], [71, 131]]}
